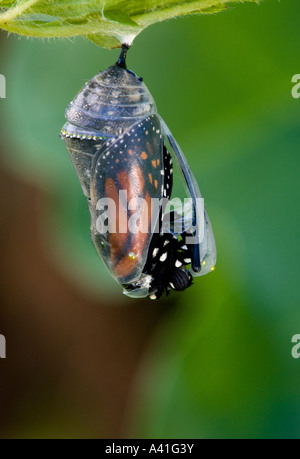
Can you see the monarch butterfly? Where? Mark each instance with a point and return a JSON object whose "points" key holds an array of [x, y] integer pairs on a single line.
{"points": [[121, 150]]}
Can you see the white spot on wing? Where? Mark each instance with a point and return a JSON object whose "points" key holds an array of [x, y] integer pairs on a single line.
{"points": [[163, 257], [155, 252]]}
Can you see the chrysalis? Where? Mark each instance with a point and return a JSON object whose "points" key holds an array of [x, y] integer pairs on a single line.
{"points": [[122, 152]]}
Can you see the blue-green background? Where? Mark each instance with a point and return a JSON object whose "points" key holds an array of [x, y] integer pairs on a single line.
{"points": [[219, 365]]}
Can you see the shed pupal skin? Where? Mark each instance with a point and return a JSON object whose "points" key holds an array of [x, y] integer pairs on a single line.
{"points": [[106, 110], [117, 141], [109, 105]]}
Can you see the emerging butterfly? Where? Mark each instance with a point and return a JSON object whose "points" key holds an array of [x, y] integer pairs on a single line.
{"points": [[121, 150]]}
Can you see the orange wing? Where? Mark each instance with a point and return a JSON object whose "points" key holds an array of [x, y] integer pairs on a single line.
{"points": [[127, 175]]}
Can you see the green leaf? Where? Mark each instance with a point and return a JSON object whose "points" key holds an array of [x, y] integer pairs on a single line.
{"points": [[108, 23]]}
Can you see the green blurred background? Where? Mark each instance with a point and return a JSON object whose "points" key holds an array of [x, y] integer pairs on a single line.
{"points": [[214, 361]]}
